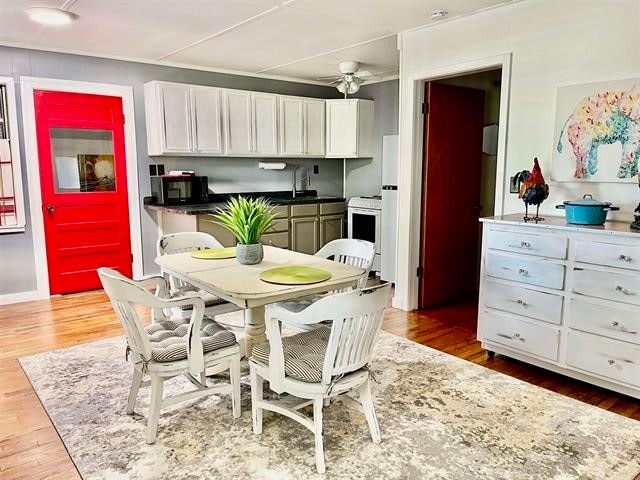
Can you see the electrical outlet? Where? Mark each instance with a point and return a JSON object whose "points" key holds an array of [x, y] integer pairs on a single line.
{"points": [[513, 185], [316, 169]]}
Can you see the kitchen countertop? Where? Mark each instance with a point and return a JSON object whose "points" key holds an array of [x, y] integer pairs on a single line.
{"points": [[554, 222], [217, 200]]}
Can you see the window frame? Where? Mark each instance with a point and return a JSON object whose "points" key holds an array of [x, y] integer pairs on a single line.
{"points": [[16, 159]]}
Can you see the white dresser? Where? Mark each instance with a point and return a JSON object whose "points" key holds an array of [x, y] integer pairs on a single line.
{"points": [[563, 297]]}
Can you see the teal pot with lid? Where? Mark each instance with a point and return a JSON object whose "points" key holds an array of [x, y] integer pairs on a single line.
{"points": [[586, 211]]}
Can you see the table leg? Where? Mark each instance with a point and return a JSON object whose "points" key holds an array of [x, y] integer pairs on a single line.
{"points": [[254, 327]]}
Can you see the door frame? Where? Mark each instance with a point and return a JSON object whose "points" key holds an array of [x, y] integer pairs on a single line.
{"points": [[410, 166], [27, 87]]}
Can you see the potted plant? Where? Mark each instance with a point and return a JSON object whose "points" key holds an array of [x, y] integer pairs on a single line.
{"points": [[248, 219]]}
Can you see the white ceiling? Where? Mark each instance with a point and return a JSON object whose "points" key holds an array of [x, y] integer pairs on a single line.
{"points": [[296, 39]]}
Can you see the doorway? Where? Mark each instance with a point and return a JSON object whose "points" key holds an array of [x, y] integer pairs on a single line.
{"points": [[83, 184], [459, 162]]}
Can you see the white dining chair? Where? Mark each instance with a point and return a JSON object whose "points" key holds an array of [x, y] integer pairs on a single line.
{"points": [[168, 348], [189, 242], [349, 251], [321, 363]]}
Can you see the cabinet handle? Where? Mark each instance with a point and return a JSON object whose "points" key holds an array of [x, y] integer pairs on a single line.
{"points": [[616, 325], [620, 288], [522, 302], [525, 244], [515, 336], [523, 272], [624, 258], [611, 362]]}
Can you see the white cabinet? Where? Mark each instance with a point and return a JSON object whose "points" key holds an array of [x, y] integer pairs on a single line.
{"points": [[563, 297], [349, 128], [182, 119], [265, 123], [237, 122], [302, 126]]}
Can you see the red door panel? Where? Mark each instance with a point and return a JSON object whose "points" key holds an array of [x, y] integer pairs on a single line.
{"points": [[450, 193], [83, 180]]}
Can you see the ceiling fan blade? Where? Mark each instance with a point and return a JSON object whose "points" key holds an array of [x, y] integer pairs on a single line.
{"points": [[330, 77], [364, 73]]}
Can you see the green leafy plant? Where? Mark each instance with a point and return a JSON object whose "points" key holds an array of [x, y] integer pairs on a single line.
{"points": [[246, 218]]}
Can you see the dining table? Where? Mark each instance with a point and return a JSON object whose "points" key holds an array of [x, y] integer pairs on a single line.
{"points": [[242, 285]]}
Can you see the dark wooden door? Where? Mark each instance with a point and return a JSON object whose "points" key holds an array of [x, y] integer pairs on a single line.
{"points": [[450, 193], [83, 178]]}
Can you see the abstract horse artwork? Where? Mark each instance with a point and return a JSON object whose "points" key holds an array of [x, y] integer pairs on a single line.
{"points": [[606, 117]]}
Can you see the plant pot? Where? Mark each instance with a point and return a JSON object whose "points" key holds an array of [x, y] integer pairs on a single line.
{"points": [[249, 254]]}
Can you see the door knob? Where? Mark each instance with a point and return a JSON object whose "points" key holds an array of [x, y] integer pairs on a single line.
{"points": [[50, 208]]}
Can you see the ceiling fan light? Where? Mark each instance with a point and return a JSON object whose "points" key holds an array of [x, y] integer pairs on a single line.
{"points": [[353, 87], [342, 87], [50, 16]]}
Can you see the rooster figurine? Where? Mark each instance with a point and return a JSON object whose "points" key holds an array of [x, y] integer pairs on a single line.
{"points": [[534, 191]]}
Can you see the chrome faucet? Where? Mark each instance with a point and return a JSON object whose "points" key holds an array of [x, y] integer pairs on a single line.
{"points": [[307, 177]]}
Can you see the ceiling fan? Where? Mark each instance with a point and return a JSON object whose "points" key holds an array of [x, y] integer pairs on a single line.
{"points": [[350, 78]]}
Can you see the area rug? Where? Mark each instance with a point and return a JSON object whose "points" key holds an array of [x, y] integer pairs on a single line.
{"points": [[440, 417]]}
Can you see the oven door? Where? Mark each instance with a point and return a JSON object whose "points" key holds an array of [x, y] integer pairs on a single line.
{"points": [[364, 224]]}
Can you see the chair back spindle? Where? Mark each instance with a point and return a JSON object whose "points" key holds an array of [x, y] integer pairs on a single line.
{"points": [[353, 252]]}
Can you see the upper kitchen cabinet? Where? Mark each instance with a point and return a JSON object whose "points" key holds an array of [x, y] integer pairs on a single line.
{"points": [[237, 122], [250, 123], [302, 123], [349, 128], [182, 119]]}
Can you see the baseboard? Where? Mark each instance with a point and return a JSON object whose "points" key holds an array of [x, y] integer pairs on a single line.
{"points": [[398, 303], [18, 297]]}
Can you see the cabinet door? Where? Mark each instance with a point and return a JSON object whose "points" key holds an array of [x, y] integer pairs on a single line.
{"points": [[331, 228], [291, 126], [314, 111], [342, 127], [207, 128], [304, 235], [207, 224], [237, 122], [176, 118], [265, 123]]}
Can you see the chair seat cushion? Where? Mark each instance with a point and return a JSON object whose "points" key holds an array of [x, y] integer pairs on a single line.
{"points": [[298, 304], [303, 354], [210, 300], [169, 339]]}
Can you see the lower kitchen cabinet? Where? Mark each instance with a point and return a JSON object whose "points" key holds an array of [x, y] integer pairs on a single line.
{"points": [[331, 228], [305, 234], [207, 224]]}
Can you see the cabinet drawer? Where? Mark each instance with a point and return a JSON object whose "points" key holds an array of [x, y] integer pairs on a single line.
{"points": [[335, 208], [525, 270], [524, 301], [281, 211], [306, 210], [610, 254], [618, 322], [280, 240], [280, 225], [618, 286], [617, 360], [551, 246], [534, 338]]}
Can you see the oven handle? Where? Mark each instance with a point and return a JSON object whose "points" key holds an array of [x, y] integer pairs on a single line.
{"points": [[363, 211]]}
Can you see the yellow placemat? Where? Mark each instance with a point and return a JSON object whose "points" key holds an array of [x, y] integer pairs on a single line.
{"points": [[215, 253], [295, 275]]}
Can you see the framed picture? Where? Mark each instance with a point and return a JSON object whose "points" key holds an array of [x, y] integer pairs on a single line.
{"points": [[597, 132]]}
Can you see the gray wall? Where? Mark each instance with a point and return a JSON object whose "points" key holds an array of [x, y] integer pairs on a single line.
{"points": [[17, 270], [364, 175]]}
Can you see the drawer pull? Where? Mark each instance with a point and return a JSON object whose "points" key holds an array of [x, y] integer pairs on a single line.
{"points": [[515, 336], [522, 302], [616, 325], [620, 288], [525, 244], [611, 362], [624, 258], [523, 272]]}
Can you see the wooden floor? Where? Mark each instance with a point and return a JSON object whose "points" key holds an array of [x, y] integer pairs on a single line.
{"points": [[31, 449]]}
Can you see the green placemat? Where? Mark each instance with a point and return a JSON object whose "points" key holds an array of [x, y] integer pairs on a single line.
{"points": [[295, 275], [215, 253]]}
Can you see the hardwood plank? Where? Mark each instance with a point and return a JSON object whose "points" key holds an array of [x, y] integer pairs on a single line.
{"points": [[31, 449]]}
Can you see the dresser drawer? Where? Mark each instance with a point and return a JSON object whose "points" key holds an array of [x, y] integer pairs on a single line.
{"points": [[524, 301], [618, 322], [533, 338], [525, 270], [610, 254], [619, 286], [541, 245], [613, 359], [280, 240]]}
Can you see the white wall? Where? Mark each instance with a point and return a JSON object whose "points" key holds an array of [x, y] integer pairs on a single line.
{"points": [[552, 43]]}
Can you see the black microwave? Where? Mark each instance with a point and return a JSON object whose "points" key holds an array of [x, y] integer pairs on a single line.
{"points": [[180, 190]]}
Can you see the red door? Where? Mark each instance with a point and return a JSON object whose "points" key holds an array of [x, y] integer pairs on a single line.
{"points": [[83, 179], [451, 193]]}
